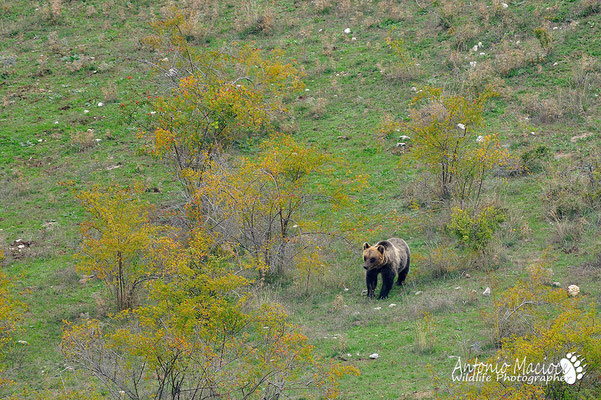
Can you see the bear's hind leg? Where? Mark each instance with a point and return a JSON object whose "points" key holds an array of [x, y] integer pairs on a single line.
{"points": [[403, 273], [402, 276], [387, 282]]}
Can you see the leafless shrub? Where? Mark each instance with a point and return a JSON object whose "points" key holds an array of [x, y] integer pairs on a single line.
{"points": [[56, 7], [544, 110], [318, 107], [109, 92], [83, 140]]}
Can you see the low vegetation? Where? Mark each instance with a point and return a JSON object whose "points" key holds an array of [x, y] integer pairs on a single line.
{"points": [[186, 186]]}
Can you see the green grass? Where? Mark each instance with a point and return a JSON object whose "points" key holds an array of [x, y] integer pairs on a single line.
{"points": [[40, 169]]}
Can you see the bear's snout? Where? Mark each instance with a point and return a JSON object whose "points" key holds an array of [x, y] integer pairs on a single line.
{"points": [[365, 266]]}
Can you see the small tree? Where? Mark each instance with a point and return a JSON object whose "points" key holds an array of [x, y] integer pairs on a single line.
{"points": [[443, 132], [116, 238], [200, 337], [261, 204], [218, 97]]}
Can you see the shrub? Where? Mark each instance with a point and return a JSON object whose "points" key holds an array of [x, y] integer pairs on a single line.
{"points": [[11, 310], [443, 135], [117, 239], [267, 206], [474, 229], [198, 337], [219, 97], [533, 159], [439, 261], [424, 334], [83, 140], [535, 323], [405, 67]]}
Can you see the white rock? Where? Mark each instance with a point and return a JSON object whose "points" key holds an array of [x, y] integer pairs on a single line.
{"points": [[306, 90], [418, 292], [55, 122], [320, 30], [573, 290], [486, 292], [347, 31], [346, 289], [461, 126], [24, 342], [86, 111], [377, 308], [556, 284], [475, 48], [482, 53], [404, 137], [392, 305], [473, 64], [400, 144], [479, 139], [505, 5], [457, 287], [479, 44], [98, 140], [100, 104], [353, 39], [374, 356]]}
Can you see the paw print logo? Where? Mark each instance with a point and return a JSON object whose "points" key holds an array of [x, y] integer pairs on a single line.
{"points": [[572, 367]]}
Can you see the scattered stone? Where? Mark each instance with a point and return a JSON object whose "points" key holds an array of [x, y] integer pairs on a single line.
{"points": [[573, 290], [400, 144], [86, 111], [353, 39], [347, 31], [404, 137], [100, 104], [461, 126], [374, 356], [392, 305], [377, 308], [486, 292], [111, 167], [473, 63], [418, 292], [479, 139], [505, 5], [343, 137], [556, 284], [468, 276], [364, 292], [23, 342], [457, 287], [18, 248]]}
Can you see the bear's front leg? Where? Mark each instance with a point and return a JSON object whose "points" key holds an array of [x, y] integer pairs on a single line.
{"points": [[371, 279], [387, 281]]}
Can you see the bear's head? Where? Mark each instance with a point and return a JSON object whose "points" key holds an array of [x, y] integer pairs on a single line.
{"points": [[373, 256]]}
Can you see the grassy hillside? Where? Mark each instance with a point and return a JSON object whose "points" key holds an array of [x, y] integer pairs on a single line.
{"points": [[75, 87]]}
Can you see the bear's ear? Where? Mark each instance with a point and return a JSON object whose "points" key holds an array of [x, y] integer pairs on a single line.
{"points": [[365, 245], [381, 249]]}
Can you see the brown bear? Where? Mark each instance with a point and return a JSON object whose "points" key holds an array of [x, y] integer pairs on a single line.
{"points": [[389, 258]]}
